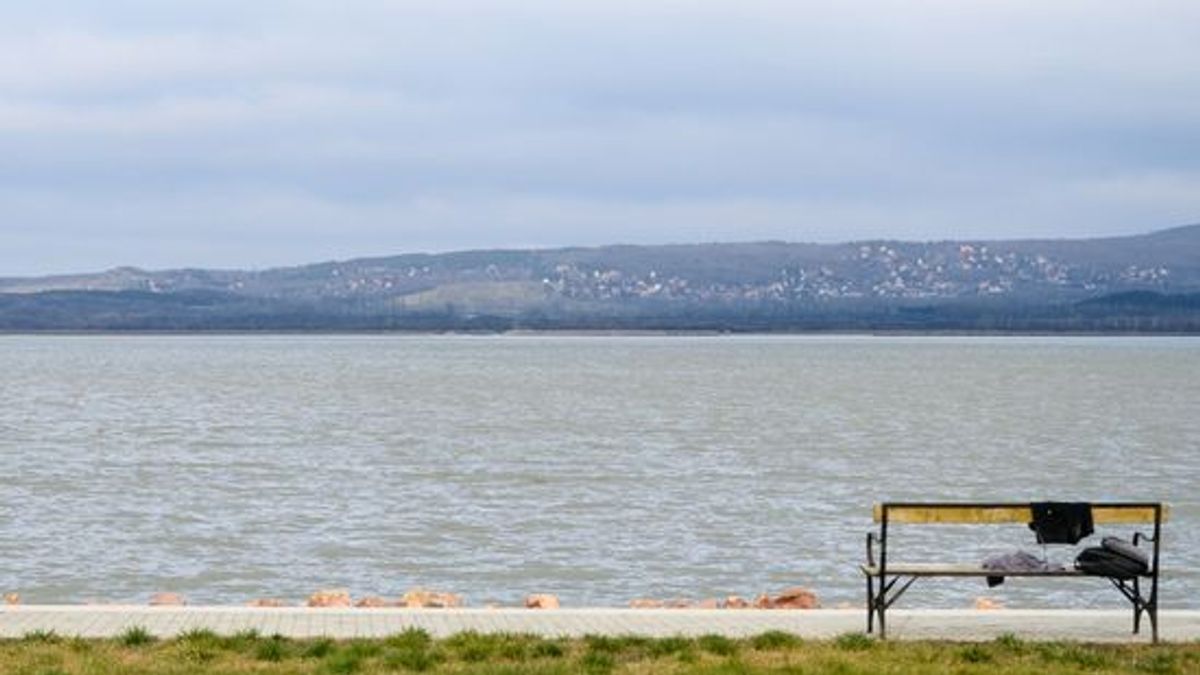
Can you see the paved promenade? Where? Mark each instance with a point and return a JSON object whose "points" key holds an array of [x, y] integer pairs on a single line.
{"points": [[109, 620]]}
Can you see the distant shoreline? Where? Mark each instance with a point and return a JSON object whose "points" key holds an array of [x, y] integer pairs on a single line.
{"points": [[1142, 285]]}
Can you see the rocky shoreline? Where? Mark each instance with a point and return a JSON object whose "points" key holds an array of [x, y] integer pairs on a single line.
{"points": [[421, 598]]}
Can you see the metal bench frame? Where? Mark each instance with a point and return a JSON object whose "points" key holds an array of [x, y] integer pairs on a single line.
{"points": [[881, 598]]}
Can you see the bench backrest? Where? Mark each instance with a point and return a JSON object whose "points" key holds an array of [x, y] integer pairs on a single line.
{"points": [[1106, 513]]}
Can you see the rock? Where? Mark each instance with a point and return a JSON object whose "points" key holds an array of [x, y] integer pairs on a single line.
{"points": [[336, 597], [791, 598], [167, 600], [795, 598], [988, 603], [419, 597], [371, 601], [541, 601], [266, 602], [645, 603], [448, 600], [415, 598], [736, 602], [708, 603], [678, 603], [12, 598]]}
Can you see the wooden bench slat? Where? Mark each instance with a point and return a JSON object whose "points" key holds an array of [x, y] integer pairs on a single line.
{"points": [[943, 570], [1008, 513]]}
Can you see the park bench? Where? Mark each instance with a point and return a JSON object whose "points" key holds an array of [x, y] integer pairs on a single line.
{"points": [[887, 579]]}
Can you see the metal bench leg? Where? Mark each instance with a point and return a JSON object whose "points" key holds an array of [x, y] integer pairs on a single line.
{"points": [[1132, 590], [882, 624], [1137, 608], [883, 601], [1152, 606], [870, 604], [881, 604]]}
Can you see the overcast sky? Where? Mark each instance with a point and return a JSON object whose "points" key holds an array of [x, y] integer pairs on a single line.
{"points": [[253, 133]]}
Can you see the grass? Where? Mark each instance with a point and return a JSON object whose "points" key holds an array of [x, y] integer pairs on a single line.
{"points": [[199, 652], [853, 642], [135, 636], [275, 649]]}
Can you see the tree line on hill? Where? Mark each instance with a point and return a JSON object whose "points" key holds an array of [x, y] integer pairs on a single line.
{"points": [[1144, 283]]}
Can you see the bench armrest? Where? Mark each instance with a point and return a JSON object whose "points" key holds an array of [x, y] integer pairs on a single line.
{"points": [[871, 549], [1141, 536]]}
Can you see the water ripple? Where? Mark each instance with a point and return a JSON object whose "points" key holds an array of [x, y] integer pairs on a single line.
{"points": [[602, 469]]}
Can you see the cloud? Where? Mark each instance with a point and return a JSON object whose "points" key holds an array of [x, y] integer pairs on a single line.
{"points": [[221, 133], [1172, 196]]}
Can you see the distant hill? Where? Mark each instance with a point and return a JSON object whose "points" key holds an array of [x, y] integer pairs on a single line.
{"points": [[1059, 284]]}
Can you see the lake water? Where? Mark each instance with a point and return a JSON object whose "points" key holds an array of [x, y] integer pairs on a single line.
{"points": [[598, 468]]}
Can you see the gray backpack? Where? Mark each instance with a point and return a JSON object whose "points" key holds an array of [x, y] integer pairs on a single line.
{"points": [[1115, 558]]}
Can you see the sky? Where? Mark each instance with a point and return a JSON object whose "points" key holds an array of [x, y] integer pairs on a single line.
{"points": [[252, 134]]}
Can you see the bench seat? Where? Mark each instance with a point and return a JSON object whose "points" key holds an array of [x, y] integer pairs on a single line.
{"points": [[967, 570]]}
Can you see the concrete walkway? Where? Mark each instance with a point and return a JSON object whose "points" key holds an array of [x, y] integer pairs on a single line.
{"points": [[110, 620]]}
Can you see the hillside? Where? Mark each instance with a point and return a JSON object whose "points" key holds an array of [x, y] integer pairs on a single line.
{"points": [[1040, 284]]}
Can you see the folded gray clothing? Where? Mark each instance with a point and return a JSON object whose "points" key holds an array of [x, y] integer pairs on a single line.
{"points": [[1019, 561]]}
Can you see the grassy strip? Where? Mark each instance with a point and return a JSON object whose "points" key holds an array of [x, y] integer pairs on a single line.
{"points": [[136, 652]]}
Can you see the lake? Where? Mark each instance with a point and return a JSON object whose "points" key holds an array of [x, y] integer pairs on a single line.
{"points": [[598, 468]]}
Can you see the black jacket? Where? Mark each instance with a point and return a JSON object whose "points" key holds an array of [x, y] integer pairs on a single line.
{"points": [[1061, 522]]}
